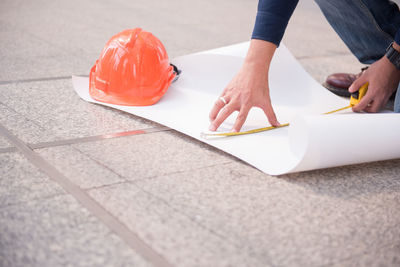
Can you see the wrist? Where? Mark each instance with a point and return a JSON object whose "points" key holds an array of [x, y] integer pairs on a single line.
{"points": [[260, 53], [392, 55]]}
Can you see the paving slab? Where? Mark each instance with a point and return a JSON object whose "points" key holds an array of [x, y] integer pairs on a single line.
{"points": [[307, 219], [182, 241], [194, 205], [386, 256], [22, 182], [24, 55], [59, 232], [4, 143], [50, 110], [74, 42], [80, 168], [148, 155], [362, 180], [22, 127]]}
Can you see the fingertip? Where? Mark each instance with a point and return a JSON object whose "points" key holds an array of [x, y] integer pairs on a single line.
{"points": [[354, 87], [212, 128], [274, 122], [269, 112], [241, 119], [357, 108], [236, 128]]}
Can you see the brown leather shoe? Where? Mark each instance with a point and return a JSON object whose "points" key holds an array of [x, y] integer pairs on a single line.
{"points": [[339, 83]]}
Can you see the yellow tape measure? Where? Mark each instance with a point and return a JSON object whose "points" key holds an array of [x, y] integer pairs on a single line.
{"points": [[355, 98]]}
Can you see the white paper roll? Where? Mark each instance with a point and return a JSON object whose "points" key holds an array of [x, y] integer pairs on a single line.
{"points": [[312, 141]]}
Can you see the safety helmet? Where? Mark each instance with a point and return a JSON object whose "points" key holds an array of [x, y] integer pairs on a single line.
{"points": [[133, 70]]}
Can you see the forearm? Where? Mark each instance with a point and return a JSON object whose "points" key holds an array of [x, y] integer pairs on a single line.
{"points": [[259, 55]]}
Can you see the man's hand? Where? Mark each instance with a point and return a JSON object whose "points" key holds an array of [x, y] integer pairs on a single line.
{"points": [[249, 88], [383, 79]]}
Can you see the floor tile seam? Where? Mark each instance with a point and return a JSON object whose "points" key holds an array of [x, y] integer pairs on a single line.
{"points": [[165, 202], [211, 231], [96, 138], [133, 182], [193, 220], [96, 209], [85, 139], [23, 116], [88, 189], [178, 172], [123, 179], [230, 160], [126, 179]]}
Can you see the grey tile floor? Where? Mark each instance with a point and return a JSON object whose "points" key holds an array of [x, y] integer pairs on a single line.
{"points": [[84, 185]]}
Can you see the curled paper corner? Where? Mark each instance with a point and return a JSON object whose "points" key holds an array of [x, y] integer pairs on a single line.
{"points": [[345, 139]]}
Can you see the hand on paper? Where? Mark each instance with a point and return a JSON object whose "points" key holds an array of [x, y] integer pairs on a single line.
{"points": [[249, 88], [383, 79]]}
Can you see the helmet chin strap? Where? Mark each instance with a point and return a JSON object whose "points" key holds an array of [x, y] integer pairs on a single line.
{"points": [[176, 71]]}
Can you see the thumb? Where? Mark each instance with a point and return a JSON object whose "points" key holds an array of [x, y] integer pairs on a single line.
{"points": [[355, 86]]}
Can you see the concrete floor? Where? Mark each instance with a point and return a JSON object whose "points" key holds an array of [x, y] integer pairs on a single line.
{"points": [[78, 187]]}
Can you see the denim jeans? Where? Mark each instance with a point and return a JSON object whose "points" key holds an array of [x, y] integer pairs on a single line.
{"points": [[367, 27]]}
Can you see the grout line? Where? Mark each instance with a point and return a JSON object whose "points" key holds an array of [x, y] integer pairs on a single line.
{"points": [[132, 239], [97, 137], [20, 114], [88, 189], [8, 149], [36, 79]]}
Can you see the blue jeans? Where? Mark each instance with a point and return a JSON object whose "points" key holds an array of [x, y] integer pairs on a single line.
{"points": [[367, 27]]}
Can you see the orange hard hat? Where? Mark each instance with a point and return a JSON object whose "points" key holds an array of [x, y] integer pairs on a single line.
{"points": [[133, 70]]}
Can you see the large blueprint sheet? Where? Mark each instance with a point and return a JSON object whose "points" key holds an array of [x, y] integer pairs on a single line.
{"points": [[312, 141]]}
